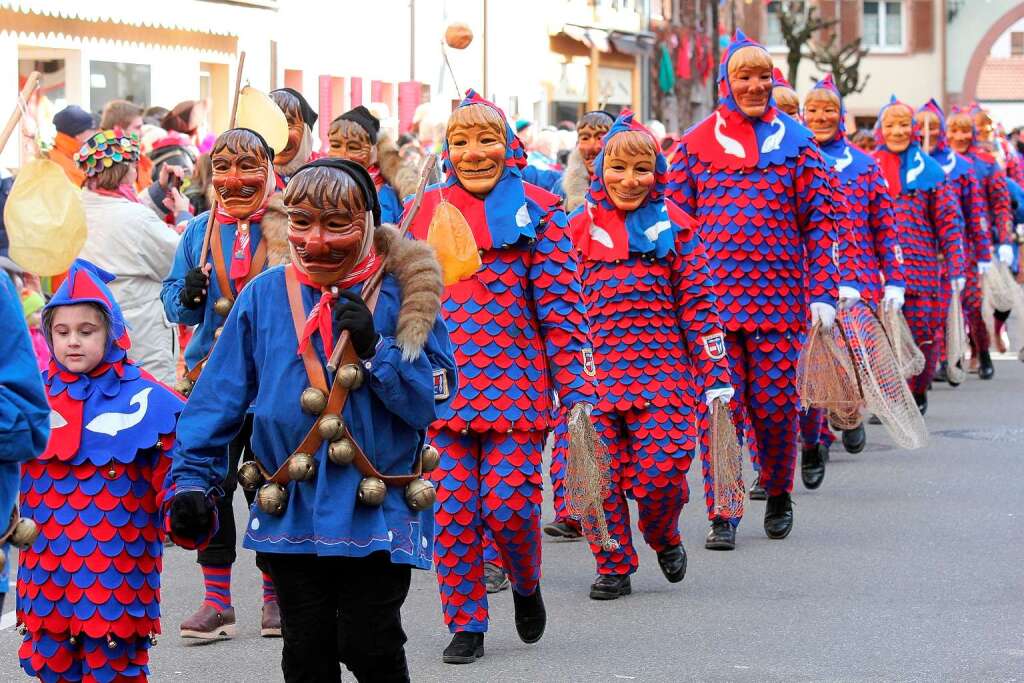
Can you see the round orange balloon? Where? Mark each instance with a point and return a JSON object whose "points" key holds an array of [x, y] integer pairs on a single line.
{"points": [[458, 36]]}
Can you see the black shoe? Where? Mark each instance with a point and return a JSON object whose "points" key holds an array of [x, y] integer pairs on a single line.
{"points": [[495, 578], [757, 491], [673, 563], [610, 586], [941, 372], [721, 535], [530, 616], [812, 465], [874, 420], [465, 648], [855, 439], [985, 367], [778, 516], [922, 402], [563, 530]]}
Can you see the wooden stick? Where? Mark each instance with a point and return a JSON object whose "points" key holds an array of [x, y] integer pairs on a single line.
{"points": [[206, 235], [30, 84], [425, 173], [238, 87]]}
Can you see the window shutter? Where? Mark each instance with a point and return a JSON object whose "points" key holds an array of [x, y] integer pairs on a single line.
{"points": [[849, 29], [751, 23], [922, 34]]}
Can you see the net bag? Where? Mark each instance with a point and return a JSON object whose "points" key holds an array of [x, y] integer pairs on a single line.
{"points": [[825, 379], [588, 478], [1000, 288], [726, 459], [909, 357], [882, 382], [956, 341]]}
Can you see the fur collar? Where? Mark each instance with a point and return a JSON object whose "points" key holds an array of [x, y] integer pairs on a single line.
{"points": [[575, 182], [275, 231], [388, 159], [413, 264]]}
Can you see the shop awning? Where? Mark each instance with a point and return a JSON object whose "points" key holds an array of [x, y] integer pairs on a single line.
{"points": [[624, 42]]}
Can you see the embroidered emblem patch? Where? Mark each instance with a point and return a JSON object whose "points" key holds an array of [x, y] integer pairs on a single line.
{"points": [[898, 253], [714, 345], [835, 254], [441, 391], [589, 367]]}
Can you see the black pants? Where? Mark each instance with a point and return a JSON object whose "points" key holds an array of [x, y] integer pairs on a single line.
{"points": [[221, 550], [340, 609]]}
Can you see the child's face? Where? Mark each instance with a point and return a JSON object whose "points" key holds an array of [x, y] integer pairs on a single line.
{"points": [[33, 319], [79, 336]]}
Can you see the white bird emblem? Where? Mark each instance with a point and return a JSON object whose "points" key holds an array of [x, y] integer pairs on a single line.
{"points": [[774, 141], [844, 161], [917, 169], [652, 232], [57, 420], [522, 216], [948, 167], [601, 236], [112, 423], [729, 145]]}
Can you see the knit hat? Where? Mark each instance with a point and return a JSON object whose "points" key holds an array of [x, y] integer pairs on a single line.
{"points": [[106, 148], [366, 120]]}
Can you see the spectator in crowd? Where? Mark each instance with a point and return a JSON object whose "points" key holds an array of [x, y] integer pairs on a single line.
{"points": [[543, 150], [128, 240], [198, 191], [32, 303], [154, 116], [128, 117], [74, 126]]}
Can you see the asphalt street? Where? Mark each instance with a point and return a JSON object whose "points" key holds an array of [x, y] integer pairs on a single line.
{"points": [[904, 566]]}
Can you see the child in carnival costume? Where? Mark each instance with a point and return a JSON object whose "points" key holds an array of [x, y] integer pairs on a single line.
{"points": [[760, 189], [89, 586], [247, 221], [519, 329], [977, 246], [657, 342], [334, 448], [929, 223]]}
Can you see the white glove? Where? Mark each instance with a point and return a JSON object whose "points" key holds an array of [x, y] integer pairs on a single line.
{"points": [[957, 283], [848, 297], [1005, 252], [984, 267], [894, 297], [724, 393], [824, 313]]}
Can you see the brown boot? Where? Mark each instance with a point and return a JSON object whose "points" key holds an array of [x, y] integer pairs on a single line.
{"points": [[270, 627], [209, 623]]}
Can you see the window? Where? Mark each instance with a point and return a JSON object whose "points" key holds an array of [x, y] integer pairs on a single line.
{"points": [[1016, 44], [118, 80], [773, 27], [883, 25]]}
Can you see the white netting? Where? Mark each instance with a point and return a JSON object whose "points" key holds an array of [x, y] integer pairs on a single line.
{"points": [[726, 458], [956, 341], [1001, 289], [588, 478], [882, 382], [908, 355], [825, 379]]}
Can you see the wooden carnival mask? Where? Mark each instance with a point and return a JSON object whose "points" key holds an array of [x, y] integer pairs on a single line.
{"points": [[476, 147], [628, 172], [349, 140], [750, 80], [983, 124], [241, 170], [960, 130], [930, 129], [897, 128], [822, 114], [588, 142]]}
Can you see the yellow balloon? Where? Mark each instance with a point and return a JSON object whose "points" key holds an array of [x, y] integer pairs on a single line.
{"points": [[44, 218], [258, 112]]}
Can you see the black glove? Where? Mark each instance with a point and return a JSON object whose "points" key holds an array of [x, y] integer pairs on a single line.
{"points": [[193, 294], [191, 514], [351, 313]]}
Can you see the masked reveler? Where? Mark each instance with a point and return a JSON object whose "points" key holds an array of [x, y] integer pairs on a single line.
{"points": [[89, 586], [343, 515], [759, 187], [928, 221], [299, 149], [355, 135], [977, 244], [243, 229], [786, 99], [520, 331], [658, 344], [871, 253]]}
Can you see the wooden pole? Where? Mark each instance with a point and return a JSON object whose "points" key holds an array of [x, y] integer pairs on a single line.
{"points": [[238, 87], [12, 122]]}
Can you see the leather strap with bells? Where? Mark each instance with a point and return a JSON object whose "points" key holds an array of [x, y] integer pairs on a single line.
{"points": [[256, 266], [338, 394]]}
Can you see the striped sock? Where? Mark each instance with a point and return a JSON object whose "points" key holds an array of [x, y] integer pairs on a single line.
{"points": [[269, 594], [218, 586]]}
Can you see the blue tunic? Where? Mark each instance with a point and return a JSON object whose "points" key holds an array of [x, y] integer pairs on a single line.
{"points": [[256, 363], [390, 205]]}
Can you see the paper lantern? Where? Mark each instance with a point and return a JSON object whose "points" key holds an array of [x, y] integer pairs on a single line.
{"points": [[44, 218], [258, 112], [458, 36]]}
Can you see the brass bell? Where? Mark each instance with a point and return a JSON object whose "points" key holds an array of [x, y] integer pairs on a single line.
{"points": [[216, 333], [250, 477], [272, 499], [152, 639], [184, 386], [301, 467], [330, 427], [350, 375], [429, 458], [222, 306], [111, 643], [313, 400], [420, 495], [372, 491], [26, 531], [342, 452]]}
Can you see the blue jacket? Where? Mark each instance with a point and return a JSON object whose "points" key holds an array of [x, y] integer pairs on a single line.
{"points": [[187, 258], [390, 205], [24, 411], [256, 362]]}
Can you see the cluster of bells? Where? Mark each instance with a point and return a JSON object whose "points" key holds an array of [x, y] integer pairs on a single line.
{"points": [[222, 306], [24, 534], [272, 497], [111, 643]]}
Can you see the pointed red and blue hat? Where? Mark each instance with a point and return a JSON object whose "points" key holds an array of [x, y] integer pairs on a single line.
{"points": [[911, 169]]}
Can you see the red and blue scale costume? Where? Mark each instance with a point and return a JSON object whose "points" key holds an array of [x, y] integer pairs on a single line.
{"points": [[929, 223], [761, 192], [89, 587], [994, 190], [519, 332], [658, 344]]}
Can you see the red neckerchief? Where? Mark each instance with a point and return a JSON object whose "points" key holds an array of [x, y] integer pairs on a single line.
{"points": [[122, 192], [378, 179], [320, 318], [241, 249]]}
